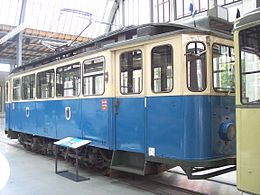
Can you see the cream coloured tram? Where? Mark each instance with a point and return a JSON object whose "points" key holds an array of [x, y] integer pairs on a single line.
{"points": [[247, 50]]}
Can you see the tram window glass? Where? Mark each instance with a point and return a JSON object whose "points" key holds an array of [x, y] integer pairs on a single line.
{"points": [[196, 66], [131, 72], [250, 65], [45, 84], [16, 89], [6, 92], [1, 98], [28, 87], [223, 68], [93, 76], [68, 80], [162, 68]]}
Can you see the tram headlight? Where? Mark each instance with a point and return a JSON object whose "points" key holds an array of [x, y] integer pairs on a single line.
{"points": [[227, 131]]}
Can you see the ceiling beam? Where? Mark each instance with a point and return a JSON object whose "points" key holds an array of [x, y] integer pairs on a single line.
{"points": [[12, 33], [6, 45], [7, 61], [112, 14]]}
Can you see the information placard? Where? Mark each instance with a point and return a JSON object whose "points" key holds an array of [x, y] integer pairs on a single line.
{"points": [[72, 142]]}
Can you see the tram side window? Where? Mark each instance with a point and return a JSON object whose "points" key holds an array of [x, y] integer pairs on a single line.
{"points": [[45, 84], [250, 65], [196, 66], [16, 89], [223, 68], [162, 67], [68, 80], [93, 76], [6, 92], [131, 72], [28, 87]]}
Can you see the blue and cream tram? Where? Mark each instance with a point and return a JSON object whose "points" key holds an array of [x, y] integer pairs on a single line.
{"points": [[149, 98]]}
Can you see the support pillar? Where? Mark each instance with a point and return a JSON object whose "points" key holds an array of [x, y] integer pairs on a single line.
{"points": [[19, 37]]}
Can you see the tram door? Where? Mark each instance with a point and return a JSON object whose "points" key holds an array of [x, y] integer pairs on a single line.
{"points": [[129, 102]]}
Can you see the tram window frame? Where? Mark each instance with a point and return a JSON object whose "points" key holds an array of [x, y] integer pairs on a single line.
{"points": [[130, 84], [60, 87], [16, 88], [231, 72], [93, 75], [31, 88], [49, 86], [162, 78], [204, 67], [251, 47]]}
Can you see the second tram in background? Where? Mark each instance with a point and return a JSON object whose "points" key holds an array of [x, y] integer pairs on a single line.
{"points": [[247, 45], [149, 98]]}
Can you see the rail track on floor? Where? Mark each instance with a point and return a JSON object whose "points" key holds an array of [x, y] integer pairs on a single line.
{"points": [[151, 184]]}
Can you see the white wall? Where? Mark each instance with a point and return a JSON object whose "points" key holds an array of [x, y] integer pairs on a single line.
{"points": [[248, 5]]}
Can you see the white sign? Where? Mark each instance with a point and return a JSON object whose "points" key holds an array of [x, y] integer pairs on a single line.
{"points": [[151, 151], [12, 33]]}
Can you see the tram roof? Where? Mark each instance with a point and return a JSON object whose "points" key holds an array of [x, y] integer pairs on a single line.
{"points": [[116, 38], [250, 19]]}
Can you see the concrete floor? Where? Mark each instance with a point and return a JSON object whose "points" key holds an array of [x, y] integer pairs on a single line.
{"points": [[33, 174]]}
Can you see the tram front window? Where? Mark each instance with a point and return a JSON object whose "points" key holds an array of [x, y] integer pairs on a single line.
{"points": [[162, 67], [250, 65], [223, 68], [196, 66]]}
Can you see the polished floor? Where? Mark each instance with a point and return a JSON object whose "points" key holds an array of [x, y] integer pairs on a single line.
{"points": [[26, 173]]}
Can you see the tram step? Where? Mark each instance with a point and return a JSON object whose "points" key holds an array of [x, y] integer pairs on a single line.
{"points": [[128, 169], [130, 162]]}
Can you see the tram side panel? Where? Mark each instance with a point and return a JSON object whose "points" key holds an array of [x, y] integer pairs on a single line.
{"points": [[68, 118], [7, 116], [223, 118], [46, 118], [188, 127], [197, 128], [203, 130], [248, 157], [28, 115], [96, 121], [130, 124], [15, 118], [165, 122]]}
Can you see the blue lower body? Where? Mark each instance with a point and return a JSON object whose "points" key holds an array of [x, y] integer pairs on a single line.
{"points": [[187, 127], [48, 119], [178, 127]]}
